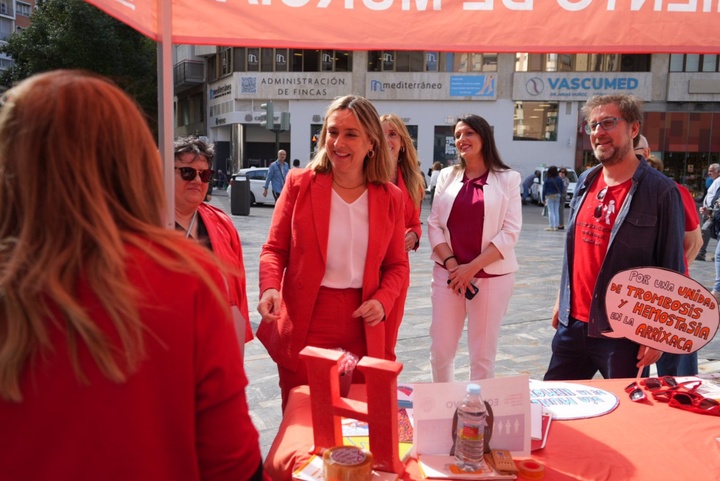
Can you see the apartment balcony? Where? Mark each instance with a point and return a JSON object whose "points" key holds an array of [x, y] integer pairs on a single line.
{"points": [[188, 74]]}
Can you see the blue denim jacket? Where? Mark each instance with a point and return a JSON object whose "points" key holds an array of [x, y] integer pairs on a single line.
{"points": [[648, 231]]}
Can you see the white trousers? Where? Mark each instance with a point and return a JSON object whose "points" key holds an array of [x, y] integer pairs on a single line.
{"points": [[484, 315]]}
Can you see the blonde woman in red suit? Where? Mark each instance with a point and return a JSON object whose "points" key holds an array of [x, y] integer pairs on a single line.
{"points": [[334, 260], [118, 358], [410, 181]]}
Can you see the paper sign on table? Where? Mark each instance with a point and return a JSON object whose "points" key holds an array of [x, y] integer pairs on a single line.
{"points": [[434, 405]]}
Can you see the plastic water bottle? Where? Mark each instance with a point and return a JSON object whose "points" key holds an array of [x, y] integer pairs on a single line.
{"points": [[470, 434]]}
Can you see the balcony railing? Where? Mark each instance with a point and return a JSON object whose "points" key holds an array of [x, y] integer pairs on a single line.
{"points": [[188, 73]]}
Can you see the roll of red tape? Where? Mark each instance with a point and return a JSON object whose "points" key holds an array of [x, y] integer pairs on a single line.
{"points": [[530, 469]]}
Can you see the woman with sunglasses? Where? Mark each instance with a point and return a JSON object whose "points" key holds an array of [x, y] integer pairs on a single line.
{"points": [[117, 352], [209, 225], [334, 260]]}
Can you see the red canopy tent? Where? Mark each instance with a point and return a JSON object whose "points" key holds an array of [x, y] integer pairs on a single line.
{"points": [[560, 26]]}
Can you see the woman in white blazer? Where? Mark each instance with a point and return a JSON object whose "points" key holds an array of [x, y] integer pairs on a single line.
{"points": [[473, 227]]}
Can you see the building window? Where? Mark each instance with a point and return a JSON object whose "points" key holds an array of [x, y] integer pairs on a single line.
{"points": [[422, 61], [535, 121], [190, 110], [319, 60], [267, 60], [581, 62], [225, 63], [693, 63], [23, 9]]}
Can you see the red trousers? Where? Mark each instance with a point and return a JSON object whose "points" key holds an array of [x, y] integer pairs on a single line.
{"points": [[332, 327]]}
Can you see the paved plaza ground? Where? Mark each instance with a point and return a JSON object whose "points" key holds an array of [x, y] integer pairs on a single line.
{"points": [[524, 346]]}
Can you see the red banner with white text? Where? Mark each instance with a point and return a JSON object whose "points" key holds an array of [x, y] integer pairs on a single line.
{"points": [[558, 26]]}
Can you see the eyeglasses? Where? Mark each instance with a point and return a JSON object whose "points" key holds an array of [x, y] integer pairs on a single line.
{"points": [[692, 401], [664, 388], [188, 173], [606, 124], [599, 208], [655, 383]]}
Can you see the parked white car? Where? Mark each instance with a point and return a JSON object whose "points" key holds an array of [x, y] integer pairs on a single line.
{"points": [[256, 176], [536, 189]]}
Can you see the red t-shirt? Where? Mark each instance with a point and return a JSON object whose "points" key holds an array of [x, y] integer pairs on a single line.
{"points": [[593, 226], [692, 220]]}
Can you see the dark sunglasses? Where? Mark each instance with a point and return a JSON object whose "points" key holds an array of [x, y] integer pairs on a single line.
{"points": [[635, 391], [600, 197], [188, 173], [692, 401]]}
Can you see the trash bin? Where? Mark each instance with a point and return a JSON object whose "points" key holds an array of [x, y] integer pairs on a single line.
{"points": [[240, 197]]}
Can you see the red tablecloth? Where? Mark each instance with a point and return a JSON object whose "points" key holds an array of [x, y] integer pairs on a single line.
{"points": [[637, 441]]}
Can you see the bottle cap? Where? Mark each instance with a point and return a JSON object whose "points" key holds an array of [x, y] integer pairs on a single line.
{"points": [[473, 388], [530, 469]]}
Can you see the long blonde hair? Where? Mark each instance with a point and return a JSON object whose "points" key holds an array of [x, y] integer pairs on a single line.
{"points": [[407, 159], [379, 167], [80, 178]]}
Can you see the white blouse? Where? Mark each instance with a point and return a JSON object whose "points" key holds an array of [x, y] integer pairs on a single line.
{"points": [[347, 242]]}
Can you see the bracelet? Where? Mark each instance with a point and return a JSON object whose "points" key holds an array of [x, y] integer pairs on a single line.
{"points": [[447, 259]]}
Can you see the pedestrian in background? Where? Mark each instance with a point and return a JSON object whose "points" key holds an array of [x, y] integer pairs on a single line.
{"points": [[409, 179], [707, 225], [552, 192], [435, 173], [118, 357], [473, 227], [561, 210], [276, 175], [527, 186], [334, 260]]}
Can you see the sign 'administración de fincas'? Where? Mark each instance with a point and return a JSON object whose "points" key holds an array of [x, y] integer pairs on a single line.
{"points": [[662, 309], [561, 26]]}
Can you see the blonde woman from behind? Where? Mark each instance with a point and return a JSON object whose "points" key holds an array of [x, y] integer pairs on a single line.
{"points": [[118, 357]]}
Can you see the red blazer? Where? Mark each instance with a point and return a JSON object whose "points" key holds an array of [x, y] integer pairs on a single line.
{"points": [[182, 416], [294, 256], [412, 212], [226, 246]]}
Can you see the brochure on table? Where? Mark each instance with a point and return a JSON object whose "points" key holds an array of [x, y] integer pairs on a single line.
{"points": [[434, 405]]}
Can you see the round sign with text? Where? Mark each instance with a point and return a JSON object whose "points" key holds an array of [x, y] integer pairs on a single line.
{"points": [[661, 309]]}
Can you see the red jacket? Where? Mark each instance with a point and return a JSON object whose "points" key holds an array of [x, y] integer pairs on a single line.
{"points": [[412, 211], [182, 416], [293, 260], [226, 246]]}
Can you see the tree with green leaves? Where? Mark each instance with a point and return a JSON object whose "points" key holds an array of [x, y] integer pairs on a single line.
{"points": [[74, 34]]}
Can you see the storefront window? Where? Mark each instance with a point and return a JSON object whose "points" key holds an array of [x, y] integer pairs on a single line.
{"points": [[444, 150], [535, 121]]}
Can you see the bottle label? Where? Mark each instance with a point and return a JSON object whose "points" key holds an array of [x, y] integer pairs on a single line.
{"points": [[471, 432]]}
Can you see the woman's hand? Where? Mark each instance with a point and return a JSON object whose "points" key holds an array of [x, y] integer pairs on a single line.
{"points": [[410, 241], [460, 278], [269, 305], [371, 311]]}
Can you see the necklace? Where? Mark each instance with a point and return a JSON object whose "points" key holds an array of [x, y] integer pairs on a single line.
{"points": [[188, 232], [347, 188]]}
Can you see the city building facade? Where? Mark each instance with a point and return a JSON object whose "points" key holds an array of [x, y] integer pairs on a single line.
{"points": [[14, 17], [532, 101]]}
